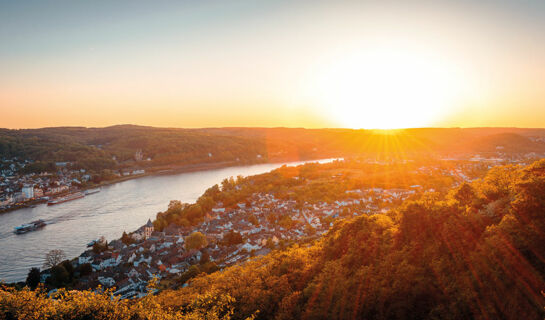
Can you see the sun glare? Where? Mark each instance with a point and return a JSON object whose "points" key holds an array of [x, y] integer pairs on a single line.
{"points": [[386, 89]]}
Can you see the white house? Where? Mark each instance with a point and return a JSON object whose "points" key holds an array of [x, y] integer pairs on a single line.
{"points": [[106, 281], [28, 192], [84, 259]]}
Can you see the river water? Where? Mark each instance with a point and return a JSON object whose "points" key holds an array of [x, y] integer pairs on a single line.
{"points": [[119, 207]]}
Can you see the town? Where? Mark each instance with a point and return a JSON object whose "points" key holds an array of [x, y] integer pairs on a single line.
{"points": [[22, 186], [252, 227], [262, 223]]}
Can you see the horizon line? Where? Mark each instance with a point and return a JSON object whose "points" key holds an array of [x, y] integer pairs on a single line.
{"points": [[271, 127]]}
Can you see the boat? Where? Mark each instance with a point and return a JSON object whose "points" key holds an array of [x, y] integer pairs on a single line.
{"points": [[27, 227], [92, 191], [91, 243], [69, 197]]}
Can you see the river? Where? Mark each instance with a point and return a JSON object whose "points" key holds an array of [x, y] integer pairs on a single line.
{"points": [[123, 206]]}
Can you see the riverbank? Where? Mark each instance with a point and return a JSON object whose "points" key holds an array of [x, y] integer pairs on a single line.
{"points": [[161, 170], [173, 169], [28, 204]]}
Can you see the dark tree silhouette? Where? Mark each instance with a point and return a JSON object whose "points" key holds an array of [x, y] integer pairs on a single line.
{"points": [[33, 278]]}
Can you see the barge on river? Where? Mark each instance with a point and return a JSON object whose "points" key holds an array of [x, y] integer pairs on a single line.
{"points": [[69, 197], [27, 227]]}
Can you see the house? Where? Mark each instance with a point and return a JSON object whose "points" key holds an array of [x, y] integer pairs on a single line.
{"points": [[133, 273], [113, 260], [7, 200], [192, 256], [28, 192], [106, 281], [85, 257], [38, 193]]}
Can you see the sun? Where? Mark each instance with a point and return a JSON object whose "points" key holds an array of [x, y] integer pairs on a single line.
{"points": [[386, 89]]}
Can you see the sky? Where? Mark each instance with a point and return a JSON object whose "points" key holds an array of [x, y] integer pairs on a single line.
{"points": [[314, 64]]}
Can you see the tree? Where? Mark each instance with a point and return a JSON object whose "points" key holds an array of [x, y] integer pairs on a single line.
{"points": [[465, 194], [205, 257], [53, 258], [126, 239], [101, 245], [85, 269], [253, 220], [59, 276], [209, 267], [175, 206], [192, 272], [286, 222], [232, 238], [196, 240], [194, 213], [33, 278], [212, 191], [69, 268], [206, 202]]}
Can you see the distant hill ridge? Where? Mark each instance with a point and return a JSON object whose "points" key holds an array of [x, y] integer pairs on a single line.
{"points": [[190, 146]]}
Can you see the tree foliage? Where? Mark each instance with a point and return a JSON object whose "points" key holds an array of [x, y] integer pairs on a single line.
{"points": [[232, 238], [196, 240]]}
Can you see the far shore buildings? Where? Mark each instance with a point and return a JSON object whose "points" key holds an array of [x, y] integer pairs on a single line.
{"points": [[28, 192]]}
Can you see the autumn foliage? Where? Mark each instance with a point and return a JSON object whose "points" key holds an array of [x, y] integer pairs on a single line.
{"points": [[477, 252]]}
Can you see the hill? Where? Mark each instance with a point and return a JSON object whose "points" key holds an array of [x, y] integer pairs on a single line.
{"points": [[474, 253], [94, 148]]}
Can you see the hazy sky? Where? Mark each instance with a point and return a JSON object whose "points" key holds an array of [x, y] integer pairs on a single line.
{"points": [[272, 63]]}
